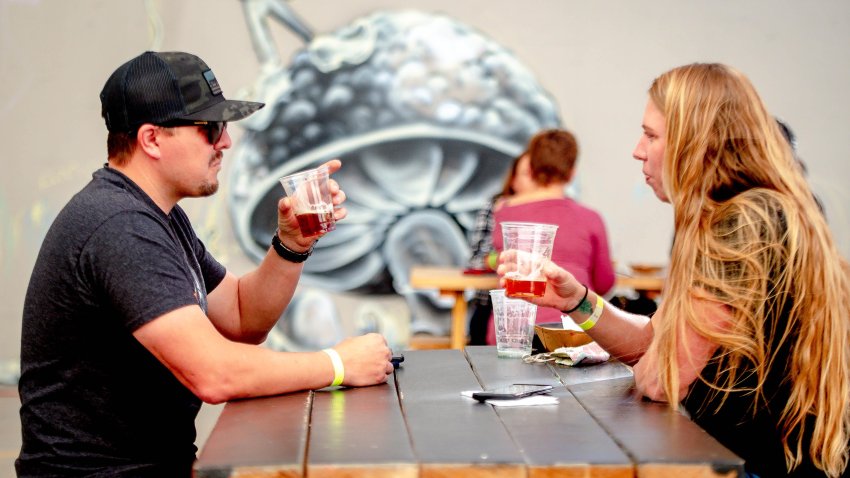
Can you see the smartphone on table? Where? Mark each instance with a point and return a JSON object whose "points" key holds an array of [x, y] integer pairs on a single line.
{"points": [[517, 390]]}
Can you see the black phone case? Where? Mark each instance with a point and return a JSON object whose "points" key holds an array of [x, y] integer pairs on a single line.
{"points": [[495, 393]]}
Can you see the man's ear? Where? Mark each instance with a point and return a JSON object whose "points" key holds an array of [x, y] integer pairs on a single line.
{"points": [[147, 139]]}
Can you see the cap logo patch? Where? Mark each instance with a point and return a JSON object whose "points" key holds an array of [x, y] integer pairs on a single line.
{"points": [[212, 82]]}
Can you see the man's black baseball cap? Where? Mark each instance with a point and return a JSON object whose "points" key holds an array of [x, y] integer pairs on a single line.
{"points": [[158, 87]]}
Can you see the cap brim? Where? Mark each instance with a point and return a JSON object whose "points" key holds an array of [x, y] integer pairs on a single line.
{"points": [[227, 110]]}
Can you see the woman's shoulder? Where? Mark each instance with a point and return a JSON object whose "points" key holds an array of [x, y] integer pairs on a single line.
{"points": [[758, 198], [753, 217], [754, 205]]}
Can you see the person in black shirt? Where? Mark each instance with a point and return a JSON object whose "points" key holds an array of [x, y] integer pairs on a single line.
{"points": [[129, 322]]}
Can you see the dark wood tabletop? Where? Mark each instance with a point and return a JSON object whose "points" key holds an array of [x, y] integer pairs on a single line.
{"points": [[419, 424]]}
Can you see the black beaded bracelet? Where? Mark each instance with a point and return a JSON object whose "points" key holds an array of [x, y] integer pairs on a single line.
{"points": [[579, 302]]}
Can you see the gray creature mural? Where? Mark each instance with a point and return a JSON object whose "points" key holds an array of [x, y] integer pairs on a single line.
{"points": [[426, 115]]}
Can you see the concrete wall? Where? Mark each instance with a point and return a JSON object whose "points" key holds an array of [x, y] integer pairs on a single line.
{"points": [[596, 58]]}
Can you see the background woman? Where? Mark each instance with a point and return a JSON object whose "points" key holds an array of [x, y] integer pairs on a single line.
{"points": [[581, 243], [484, 258]]}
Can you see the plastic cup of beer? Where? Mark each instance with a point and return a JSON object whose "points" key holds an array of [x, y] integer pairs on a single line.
{"points": [[530, 244], [514, 321], [311, 200]]}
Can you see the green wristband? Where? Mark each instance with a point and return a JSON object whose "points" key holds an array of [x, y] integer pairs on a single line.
{"points": [[597, 312], [493, 260]]}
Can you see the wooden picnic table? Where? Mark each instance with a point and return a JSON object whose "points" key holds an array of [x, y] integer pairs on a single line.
{"points": [[419, 425], [452, 282]]}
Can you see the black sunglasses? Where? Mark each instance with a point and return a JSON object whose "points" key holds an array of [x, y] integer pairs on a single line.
{"points": [[213, 129]]}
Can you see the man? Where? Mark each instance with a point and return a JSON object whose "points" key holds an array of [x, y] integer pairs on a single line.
{"points": [[129, 323]]}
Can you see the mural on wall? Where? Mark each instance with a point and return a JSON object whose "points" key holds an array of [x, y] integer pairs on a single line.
{"points": [[426, 115]]}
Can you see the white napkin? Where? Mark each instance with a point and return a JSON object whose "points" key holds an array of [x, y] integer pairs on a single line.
{"points": [[568, 324], [517, 402]]}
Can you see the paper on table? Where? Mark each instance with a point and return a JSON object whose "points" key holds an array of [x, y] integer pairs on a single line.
{"points": [[568, 324], [517, 402]]}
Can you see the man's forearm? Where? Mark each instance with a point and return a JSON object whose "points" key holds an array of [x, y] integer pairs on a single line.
{"points": [[264, 293]]}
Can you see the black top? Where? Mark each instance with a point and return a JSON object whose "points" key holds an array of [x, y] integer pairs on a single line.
{"points": [[752, 436], [746, 425], [93, 399]]}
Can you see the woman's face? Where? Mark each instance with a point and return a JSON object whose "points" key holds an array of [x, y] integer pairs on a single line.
{"points": [[522, 181], [650, 148]]}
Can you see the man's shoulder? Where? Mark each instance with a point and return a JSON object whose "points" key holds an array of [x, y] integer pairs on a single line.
{"points": [[109, 193], [101, 206], [106, 193]]}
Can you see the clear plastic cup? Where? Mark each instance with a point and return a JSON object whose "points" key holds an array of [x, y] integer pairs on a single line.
{"points": [[531, 246], [514, 321], [311, 200]]}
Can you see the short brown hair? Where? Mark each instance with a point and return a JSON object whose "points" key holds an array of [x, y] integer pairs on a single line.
{"points": [[120, 146], [553, 155]]}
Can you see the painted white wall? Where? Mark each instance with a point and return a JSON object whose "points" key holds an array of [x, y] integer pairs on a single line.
{"points": [[596, 58]]}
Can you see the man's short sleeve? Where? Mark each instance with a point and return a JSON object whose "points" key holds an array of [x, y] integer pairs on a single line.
{"points": [[137, 264]]}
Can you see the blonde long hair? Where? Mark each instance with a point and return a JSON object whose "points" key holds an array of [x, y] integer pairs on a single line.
{"points": [[748, 230]]}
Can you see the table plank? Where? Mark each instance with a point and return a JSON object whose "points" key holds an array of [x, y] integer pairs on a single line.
{"points": [[453, 435], [551, 450], [493, 371], [258, 438], [661, 441], [359, 432]]}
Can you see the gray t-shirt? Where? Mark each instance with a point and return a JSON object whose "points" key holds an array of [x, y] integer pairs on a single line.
{"points": [[93, 399]]}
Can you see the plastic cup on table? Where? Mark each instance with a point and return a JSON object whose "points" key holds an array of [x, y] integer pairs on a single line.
{"points": [[514, 321]]}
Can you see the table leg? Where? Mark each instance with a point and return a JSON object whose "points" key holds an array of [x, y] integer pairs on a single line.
{"points": [[458, 321]]}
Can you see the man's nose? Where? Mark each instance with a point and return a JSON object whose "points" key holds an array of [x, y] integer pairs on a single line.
{"points": [[225, 141]]}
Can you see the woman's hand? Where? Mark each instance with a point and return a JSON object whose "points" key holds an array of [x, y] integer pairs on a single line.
{"points": [[563, 291], [647, 380]]}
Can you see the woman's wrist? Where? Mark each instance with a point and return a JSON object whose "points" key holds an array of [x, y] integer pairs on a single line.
{"points": [[578, 302], [492, 260]]}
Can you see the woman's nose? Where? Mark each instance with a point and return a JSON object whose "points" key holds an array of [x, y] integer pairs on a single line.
{"points": [[639, 152]]}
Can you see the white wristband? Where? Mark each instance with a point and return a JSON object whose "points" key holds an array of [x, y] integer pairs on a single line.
{"points": [[339, 369]]}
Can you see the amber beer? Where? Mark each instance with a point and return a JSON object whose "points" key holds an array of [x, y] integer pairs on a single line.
{"points": [[315, 223], [522, 288]]}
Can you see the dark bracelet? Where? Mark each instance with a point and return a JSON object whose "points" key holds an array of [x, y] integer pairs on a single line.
{"points": [[579, 303], [287, 253]]}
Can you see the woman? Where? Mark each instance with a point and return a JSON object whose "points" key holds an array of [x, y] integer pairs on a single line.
{"points": [[753, 335], [581, 243], [485, 258]]}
